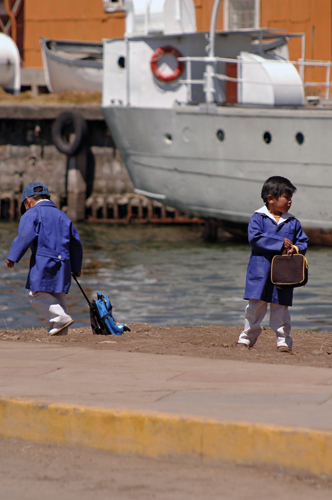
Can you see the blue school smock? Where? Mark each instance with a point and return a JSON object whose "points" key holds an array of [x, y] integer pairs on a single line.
{"points": [[56, 248], [266, 238]]}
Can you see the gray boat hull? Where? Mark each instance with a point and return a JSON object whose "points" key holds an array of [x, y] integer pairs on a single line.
{"points": [[212, 162]]}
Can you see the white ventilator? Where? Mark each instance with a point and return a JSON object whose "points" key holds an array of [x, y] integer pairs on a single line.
{"points": [[10, 67]]}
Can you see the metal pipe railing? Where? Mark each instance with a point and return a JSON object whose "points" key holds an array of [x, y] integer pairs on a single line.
{"points": [[212, 61]]}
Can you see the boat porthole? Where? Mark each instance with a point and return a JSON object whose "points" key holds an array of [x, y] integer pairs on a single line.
{"points": [[121, 62], [299, 138], [220, 135], [267, 137], [186, 134], [168, 138]]}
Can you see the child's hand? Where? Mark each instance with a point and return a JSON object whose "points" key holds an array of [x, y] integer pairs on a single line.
{"points": [[287, 243]]}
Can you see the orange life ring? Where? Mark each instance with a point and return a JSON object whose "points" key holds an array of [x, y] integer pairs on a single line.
{"points": [[158, 54]]}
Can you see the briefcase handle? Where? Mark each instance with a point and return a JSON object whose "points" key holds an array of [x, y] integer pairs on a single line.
{"points": [[293, 246]]}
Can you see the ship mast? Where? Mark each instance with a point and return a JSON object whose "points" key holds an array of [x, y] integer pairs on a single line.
{"points": [[209, 68]]}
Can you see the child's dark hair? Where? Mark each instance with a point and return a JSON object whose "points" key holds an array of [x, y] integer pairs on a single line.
{"points": [[276, 186], [40, 197]]}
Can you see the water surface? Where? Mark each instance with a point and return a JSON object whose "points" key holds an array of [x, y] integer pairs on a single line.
{"points": [[164, 276]]}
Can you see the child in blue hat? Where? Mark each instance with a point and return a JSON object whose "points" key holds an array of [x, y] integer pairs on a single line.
{"points": [[56, 253]]}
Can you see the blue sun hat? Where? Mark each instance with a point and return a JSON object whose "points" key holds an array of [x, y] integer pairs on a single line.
{"points": [[33, 189]]}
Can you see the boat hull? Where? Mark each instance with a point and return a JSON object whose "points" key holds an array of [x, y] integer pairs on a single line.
{"points": [[212, 163]]}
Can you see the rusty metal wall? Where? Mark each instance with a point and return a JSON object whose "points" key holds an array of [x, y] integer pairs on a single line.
{"points": [[69, 20], [83, 20], [312, 17], [86, 20]]}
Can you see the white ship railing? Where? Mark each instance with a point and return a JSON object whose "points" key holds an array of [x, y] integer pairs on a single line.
{"points": [[211, 62], [303, 63]]}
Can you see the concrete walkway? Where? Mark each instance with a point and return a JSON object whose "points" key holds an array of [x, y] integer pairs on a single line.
{"points": [[168, 405]]}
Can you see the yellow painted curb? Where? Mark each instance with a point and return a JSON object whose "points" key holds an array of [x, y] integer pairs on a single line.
{"points": [[155, 434]]}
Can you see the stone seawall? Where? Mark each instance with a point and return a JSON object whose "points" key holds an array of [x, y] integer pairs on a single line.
{"points": [[29, 152], [20, 165]]}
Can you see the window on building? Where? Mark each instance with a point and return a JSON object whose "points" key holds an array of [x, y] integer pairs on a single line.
{"points": [[239, 14], [113, 5]]}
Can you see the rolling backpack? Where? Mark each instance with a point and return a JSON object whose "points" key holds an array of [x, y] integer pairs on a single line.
{"points": [[101, 318]]}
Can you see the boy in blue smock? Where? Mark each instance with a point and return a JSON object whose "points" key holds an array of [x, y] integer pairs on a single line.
{"points": [[271, 230], [56, 253]]}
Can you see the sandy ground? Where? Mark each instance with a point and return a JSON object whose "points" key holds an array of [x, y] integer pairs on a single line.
{"points": [[214, 342]]}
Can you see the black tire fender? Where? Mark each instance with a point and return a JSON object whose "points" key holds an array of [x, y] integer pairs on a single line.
{"points": [[69, 132]]}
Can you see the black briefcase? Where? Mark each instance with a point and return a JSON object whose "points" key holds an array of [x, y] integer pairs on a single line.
{"points": [[289, 271]]}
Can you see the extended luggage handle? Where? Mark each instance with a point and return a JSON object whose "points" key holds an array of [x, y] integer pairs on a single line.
{"points": [[97, 321], [79, 286]]}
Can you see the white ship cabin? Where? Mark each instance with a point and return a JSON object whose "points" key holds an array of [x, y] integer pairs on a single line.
{"points": [[163, 60]]}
